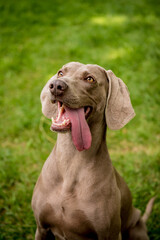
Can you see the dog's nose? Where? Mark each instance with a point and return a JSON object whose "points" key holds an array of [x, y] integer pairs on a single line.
{"points": [[57, 87]]}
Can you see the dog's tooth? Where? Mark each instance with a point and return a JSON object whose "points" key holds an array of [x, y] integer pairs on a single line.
{"points": [[62, 107], [61, 110], [59, 105]]}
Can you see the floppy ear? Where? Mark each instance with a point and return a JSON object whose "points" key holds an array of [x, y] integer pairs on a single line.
{"points": [[119, 110]]}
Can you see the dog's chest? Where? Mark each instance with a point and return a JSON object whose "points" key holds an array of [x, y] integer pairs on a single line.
{"points": [[70, 208], [65, 217]]}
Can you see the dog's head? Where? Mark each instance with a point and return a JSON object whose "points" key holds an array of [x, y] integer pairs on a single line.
{"points": [[80, 94]]}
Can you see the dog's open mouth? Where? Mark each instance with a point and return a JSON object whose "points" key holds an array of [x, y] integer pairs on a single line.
{"points": [[74, 119]]}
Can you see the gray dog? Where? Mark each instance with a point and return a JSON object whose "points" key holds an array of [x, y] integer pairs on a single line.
{"points": [[79, 195]]}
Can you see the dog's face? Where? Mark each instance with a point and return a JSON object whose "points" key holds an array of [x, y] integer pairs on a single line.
{"points": [[85, 86], [79, 94]]}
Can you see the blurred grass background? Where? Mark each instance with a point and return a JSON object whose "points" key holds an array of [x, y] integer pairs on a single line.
{"points": [[36, 39]]}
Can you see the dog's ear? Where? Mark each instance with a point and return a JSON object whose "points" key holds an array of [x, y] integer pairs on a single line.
{"points": [[119, 110], [48, 108]]}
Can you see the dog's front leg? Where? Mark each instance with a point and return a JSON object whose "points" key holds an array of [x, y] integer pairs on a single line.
{"points": [[44, 234]]}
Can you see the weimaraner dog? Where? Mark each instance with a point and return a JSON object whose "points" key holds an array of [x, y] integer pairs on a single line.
{"points": [[79, 194]]}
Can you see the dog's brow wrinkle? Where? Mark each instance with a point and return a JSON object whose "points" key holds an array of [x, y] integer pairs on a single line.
{"points": [[65, 69], [85, 73]]}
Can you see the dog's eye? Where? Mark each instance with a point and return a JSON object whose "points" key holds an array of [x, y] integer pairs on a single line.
{"points": [[60, 74], [90, 79]]}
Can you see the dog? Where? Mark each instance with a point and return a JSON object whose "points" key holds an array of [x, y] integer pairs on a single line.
{"points": [[79, 195]]}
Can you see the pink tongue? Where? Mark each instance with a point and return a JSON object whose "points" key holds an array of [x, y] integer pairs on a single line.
{"points": [[81, 134]]}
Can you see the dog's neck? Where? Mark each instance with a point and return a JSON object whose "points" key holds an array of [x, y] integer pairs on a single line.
{"points": [[65, 147], [66, 163]]}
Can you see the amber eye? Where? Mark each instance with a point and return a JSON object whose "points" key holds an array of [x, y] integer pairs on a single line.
{"points": [[90, 79], [60, 74]]}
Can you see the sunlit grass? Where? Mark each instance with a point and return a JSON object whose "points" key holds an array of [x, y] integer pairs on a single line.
{"points": [[120, 20], [109, 20]]}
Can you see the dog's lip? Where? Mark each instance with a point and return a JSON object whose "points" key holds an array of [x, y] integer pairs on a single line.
{"points": [[62, 122], [87, 110], [74, 119]]}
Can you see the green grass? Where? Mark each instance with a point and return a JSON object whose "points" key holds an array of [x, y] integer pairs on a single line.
{"points": [[36, 39]]}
